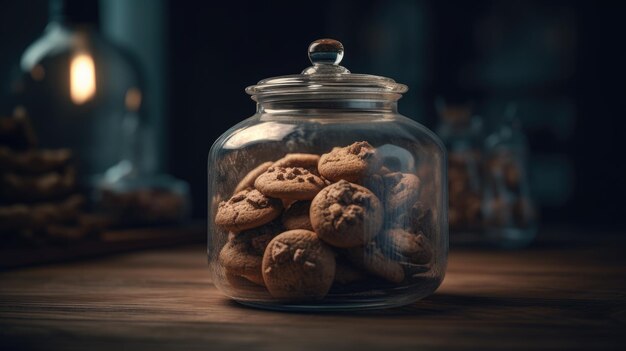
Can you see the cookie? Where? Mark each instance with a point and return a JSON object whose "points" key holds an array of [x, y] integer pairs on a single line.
{"points": [[67, 232], [401, 190], [351, 163], [346, 273], [375, 184], [61, 212], [384, 170], [512, 175], [239, 283], [454, 218], [294, 183], [371, 258], [421, 219], [346, 215], [472, 209], [36, 217], [248, 181], [247, 209], [296, 216], [149, 205], [298, 265], [47, 186], [410, 247], [243, 253], [308, 161], [415, 271], [95, 222], [33, 161]]}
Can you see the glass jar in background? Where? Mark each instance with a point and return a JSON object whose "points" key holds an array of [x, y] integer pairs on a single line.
{"points": [[509, 214], [462, 134], [85, 93], [78, 88], [327, 198]]}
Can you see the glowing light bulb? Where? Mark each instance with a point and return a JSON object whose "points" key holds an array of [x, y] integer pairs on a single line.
{"points": [[82, 78]]}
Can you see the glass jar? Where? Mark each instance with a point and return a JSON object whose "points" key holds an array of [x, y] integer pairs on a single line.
{"points": [[509, 213], [327, 198], [79, 89], [461, 133]]}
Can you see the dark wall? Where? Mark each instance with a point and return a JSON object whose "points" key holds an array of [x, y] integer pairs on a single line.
{"points": [[598, 147]]}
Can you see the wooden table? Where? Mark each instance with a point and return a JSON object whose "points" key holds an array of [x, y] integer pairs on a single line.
{"points": [[551, 296]]}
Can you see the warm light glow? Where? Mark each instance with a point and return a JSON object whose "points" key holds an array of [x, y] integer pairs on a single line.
{"points": [[133, 99], [82, 78]]}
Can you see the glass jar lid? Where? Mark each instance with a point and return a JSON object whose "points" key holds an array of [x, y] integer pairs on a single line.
{"points": [[325, 78]]}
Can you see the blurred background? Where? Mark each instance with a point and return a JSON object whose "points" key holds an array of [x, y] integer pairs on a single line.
{"points": [[181, 68]]}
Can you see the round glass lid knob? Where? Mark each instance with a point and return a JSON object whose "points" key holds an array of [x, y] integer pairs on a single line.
{"points": [[325, 52]]}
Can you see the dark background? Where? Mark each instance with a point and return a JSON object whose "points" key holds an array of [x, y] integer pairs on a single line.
{"points": [[562, 62]]}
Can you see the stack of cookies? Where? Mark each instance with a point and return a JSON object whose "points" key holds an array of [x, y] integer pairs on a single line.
{"points": [[305, 224], [37, 198]]}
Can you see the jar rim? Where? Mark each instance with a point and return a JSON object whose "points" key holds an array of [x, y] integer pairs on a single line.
{"points": [[326, 83]]}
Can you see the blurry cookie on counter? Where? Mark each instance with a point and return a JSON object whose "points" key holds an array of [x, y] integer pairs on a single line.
{"points": [[38, 198], [143, 201]]}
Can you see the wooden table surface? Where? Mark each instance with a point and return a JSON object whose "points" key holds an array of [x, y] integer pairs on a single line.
{"points": [[550, 296]]}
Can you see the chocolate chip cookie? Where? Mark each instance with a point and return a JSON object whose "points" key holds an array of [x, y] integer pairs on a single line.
{"points": [[36, 216], [248, 181], [375, 184], [410, 247], [43, 187], [296, 216], [298, 265], [243, 253], [247, 209], [346, 273], [371, 258], [33, 161], [346, 214], [401, 190], [294, 183], [351, 163], [423, 219], [308, 161]]}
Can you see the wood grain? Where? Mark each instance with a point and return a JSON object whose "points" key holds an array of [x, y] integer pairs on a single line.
{"points": [[569, 297]]}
